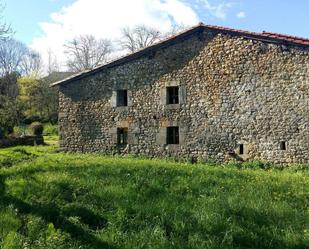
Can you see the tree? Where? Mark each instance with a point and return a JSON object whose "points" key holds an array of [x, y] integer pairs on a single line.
{"points": [[139, 37], [16, 57], [12, 53], [48, 101], [86, 52], [5, 29], [28, 89], [8, 85], [31, 63], [9, 107], [176, 29], [52, 63], [9, 114], [37, 97]]}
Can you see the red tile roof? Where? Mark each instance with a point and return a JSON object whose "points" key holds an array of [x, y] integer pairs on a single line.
{"points": [[294, 39], [264, 36]]}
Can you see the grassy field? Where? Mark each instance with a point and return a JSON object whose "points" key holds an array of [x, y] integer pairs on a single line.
{"points": [[57, 200]]}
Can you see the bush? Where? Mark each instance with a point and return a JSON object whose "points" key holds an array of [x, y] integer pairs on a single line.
{"points": [[53, 118], [50, 129], [37, 128], [1, 133], [10, 129], [12, 241], [31, 119]]}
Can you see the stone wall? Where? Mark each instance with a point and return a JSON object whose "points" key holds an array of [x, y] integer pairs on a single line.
{"points": [[234, 91], [31, 140]]}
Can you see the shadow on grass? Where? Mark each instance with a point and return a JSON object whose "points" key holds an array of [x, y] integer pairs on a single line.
{"points": [[50, 213], [256, 223]]}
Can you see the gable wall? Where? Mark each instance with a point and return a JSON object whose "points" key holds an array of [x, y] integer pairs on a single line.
{"points": [[234, 91]]}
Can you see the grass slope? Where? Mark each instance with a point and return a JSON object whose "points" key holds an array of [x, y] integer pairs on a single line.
{"points": [[56, 200]]}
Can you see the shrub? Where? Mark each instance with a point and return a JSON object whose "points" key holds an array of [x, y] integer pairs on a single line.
{"points": [[37, 128], [50, 129], [10, 129], [19, 130], [12, 241], [53, 118], [31, 119], [1, 133]]}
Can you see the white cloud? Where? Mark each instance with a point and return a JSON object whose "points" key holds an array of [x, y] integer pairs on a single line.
{"points": [[217, 10], [105, 18], [241, 14]]}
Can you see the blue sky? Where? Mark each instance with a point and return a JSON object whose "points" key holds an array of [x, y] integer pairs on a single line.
{"points": [[284, 16], [48, 24], [25, 15]]}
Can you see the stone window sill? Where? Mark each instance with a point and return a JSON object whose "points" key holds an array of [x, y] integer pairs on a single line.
{"points": [[172, 147], [172, 106], [122, 108]]}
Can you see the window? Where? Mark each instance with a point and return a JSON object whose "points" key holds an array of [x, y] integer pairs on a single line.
{"points": [[282, 145], [122, 136], [172, 95], [241, 149], [122, 97], [172, 135]]}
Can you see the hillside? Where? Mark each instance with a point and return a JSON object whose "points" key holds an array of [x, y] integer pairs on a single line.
{"points": [[57, 200]]}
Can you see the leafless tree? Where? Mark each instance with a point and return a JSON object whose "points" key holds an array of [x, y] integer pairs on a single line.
{"points": [[87, 52], [176, 29], [5, 29], [52, 63], [139, 37], [16, 57], [12, 53], [31, 63]]}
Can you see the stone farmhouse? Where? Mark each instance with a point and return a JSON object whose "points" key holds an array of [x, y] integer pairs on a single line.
{"points": [[209, 93]]}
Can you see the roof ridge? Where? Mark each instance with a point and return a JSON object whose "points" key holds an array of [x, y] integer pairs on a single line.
{"points": [[285, 35], [264, 33]]}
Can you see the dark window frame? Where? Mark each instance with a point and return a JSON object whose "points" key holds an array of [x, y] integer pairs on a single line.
{"points": [[172, 95], [122, 136], [122, 97], [172, 135], [283, 145], [241, 149]]}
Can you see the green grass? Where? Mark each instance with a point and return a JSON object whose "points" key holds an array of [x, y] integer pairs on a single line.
{"points": [[57, 200], [50, 130]]}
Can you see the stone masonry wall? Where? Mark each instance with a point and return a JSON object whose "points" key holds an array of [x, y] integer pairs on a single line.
{"points": [[233, 91]]}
